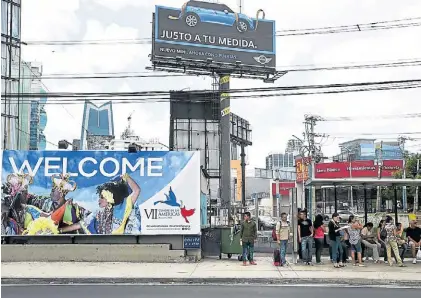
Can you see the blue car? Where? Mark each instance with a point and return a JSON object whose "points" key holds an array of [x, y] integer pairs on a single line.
{"points": [[195, 12]]}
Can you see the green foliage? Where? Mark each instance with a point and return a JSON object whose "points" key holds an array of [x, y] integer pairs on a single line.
{"points": [[411, 173]]}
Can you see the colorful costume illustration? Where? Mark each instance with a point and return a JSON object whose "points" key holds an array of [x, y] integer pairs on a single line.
{"points": [[116, 209]]}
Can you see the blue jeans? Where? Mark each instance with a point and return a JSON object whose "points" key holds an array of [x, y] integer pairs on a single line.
{"points": [[336, 247], [248, 250], [283, 250], [307, 248]]}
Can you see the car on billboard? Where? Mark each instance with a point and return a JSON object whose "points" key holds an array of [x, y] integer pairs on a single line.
{"points": [[195, 12]]}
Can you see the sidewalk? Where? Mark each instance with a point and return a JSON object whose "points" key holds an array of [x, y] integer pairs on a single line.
{"points": [[208, 271]]}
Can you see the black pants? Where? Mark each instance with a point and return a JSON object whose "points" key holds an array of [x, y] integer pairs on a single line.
{"points": [[319, 248]]}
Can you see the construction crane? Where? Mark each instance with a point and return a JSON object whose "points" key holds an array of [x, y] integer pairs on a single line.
{"points": [[129, 120]]}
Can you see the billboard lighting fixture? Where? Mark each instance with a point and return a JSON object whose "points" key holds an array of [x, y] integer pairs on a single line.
{"points": [[238, 63], [178, 59], [209, 60]]}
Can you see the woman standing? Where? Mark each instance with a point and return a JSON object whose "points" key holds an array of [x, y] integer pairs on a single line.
{"points": [[354, 231], [319, 237], [391, 242], [335, 240], [381, 238]]}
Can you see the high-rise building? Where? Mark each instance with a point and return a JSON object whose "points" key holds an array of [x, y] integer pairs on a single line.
{"points": [[38, 115], [97, 121], [277, 160], [10, 72]]}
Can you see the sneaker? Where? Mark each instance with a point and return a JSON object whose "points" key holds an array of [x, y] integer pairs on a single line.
{"points": [[402, 265], [253, 263], [414, 261], [361, 265]]}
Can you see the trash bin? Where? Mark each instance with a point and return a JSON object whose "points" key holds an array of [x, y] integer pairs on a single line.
{"points": [[230, 241]]}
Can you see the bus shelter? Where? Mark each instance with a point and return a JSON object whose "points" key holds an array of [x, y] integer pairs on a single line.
{"points": [[395, 183]]}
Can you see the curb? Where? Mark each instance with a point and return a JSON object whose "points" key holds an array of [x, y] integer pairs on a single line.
{"points": [[201, 281]]}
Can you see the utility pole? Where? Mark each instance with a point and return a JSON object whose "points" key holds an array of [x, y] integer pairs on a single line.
{"points": [[379, 175], [416, 189], [310, 123], [401, 141]]}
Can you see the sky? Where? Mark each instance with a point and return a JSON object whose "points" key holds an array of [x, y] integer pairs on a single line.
{"points": [[275, 119]]}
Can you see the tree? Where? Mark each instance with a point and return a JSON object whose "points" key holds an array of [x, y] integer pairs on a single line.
{"points": [[411, 173]]}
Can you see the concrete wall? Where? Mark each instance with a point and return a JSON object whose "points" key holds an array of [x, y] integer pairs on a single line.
{"points": [[162, 248]]}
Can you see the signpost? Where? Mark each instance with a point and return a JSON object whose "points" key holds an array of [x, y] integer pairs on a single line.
{"points": [[191, 242]]}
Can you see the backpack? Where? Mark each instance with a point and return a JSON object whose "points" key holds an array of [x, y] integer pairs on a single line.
{"points": [[274, 236]]}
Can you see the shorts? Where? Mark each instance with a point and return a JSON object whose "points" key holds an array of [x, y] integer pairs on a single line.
{"points": [[356, 247], [411, 243]]}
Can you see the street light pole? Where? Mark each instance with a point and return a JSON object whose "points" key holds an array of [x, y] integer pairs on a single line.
{"points": [[416, 189], [350, 176], [277, 192]]}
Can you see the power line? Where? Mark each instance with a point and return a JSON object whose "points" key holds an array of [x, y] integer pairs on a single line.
{"points": [[128, 100], [387, 85], [125, 75], [366, 118], [337, 134], [379, 25]]}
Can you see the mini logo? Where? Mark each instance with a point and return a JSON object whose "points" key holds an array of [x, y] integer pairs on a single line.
{"points": [[262, 59]]}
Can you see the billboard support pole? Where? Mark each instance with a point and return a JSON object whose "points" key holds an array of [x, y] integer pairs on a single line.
{"points": [[243, 175], [224, 126]]}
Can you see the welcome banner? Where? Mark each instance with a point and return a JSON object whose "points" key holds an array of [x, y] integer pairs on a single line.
{"points": [[100, 192]]}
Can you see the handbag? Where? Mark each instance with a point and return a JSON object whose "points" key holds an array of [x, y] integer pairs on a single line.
{"points": [[383, 234], [419, 254]]}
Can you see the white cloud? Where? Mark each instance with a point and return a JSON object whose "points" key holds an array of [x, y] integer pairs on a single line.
{"points": [[49, 19], [274, 120]]}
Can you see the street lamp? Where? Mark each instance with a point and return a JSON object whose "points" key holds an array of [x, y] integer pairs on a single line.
{"points": [[277, 192]]}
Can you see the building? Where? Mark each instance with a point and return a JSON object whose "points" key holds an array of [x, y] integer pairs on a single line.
{"points": [[294, 146], [38, 115], [10, 72], [368, 149], [277, 160], [97, 123], [195, 125]]}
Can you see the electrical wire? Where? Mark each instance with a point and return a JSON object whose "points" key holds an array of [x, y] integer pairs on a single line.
{"points": [[130, 100], [125, 75], [379, 25], [381, 85], [367, 118]]}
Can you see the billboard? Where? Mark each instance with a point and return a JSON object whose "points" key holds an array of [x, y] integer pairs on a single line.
{"points": [[302, 168], [359, 169], [284, 188], [367, 151], [100, 192], [203, 31]]}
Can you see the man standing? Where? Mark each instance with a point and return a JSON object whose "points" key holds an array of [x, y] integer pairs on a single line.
{"points": [[414, 238], [305, 237], [248, 236], [282, 234]]}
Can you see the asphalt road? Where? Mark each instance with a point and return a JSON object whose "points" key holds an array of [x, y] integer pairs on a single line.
{"points": [[185, 291]]}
